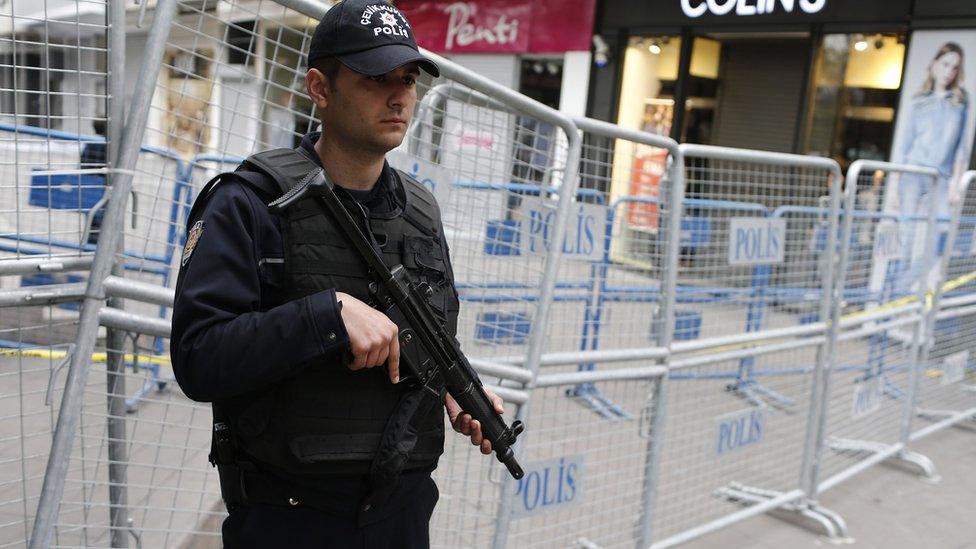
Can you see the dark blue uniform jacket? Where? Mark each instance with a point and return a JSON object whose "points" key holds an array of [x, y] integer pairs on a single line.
{"points": [[234, 334]]}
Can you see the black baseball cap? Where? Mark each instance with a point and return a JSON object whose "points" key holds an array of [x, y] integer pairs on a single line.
{"points": [[369, 37]]}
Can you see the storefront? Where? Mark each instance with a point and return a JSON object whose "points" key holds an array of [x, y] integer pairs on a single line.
{"points": [[540, 48], [820, 77]]}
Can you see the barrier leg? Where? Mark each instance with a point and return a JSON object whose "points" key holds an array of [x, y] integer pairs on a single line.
{"points": [[69, 415], [588, 394], [115, 339], [153, 382], [831, 525], [746, 386], [117, 455], [879, 343], [924, 465]]}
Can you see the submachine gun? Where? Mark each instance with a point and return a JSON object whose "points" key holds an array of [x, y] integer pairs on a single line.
{"points": [[441, 365]]}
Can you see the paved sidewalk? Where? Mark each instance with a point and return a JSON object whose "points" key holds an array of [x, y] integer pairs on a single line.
{"points": [[885, 507]]}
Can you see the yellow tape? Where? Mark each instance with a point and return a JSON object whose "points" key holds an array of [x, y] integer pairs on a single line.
{"points": [[900, 302], [51, 354], [909, 299], [164, 360]]}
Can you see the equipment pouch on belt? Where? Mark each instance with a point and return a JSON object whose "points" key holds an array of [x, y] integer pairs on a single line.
{"points": [[223, 455]]}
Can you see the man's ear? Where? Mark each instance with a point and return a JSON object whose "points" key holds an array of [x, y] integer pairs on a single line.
{"points": [[317, 86]]}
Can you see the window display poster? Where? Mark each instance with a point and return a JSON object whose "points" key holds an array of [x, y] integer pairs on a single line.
{"points": [[936, 120]]}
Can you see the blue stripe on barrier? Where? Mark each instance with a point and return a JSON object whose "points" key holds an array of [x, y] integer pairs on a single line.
{"points": [[66, 191], [583, 285], [68, 246], [503, 328], [508, 298]]}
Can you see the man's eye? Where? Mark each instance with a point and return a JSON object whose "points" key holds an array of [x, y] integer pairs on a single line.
{"points": [[410, 81]]}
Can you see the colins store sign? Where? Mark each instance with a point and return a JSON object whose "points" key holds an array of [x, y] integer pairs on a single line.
{"points": [[632, 14], [501, 26], [697, 8]]}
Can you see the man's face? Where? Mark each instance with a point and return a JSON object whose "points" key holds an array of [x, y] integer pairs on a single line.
{"points": [[371, 113]]}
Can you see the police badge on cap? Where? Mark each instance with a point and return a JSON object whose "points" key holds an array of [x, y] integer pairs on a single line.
{"points": [[369, 37]]}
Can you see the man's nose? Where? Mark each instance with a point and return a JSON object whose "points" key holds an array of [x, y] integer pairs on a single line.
{"points": [[398, 98]]}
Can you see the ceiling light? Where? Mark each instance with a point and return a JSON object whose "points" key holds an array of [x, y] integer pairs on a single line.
{"points": [[654, 48], [861, 45]]}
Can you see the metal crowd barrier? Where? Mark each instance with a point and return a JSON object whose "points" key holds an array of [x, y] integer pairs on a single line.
{"points": [[947, 385], [694, 335], [869, 394], [55, 76], [161, 488], [742, 396]]}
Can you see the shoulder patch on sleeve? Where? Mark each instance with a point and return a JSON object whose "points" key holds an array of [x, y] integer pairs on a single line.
{"points": [[192, 237]]}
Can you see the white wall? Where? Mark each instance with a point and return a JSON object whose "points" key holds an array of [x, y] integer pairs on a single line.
{"points": [[576, 83], [501, 68]]}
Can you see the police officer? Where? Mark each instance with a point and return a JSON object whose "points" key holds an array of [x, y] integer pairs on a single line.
{"points": [[272, 321]]}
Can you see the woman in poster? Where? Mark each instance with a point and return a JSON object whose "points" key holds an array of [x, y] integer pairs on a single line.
{"points": [[933, 137]]}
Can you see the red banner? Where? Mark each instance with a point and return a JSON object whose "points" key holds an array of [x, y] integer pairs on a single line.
{"points": [[501, 26], [646, 183]]}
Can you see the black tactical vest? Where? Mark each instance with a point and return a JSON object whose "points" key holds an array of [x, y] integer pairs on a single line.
{"points": [[328, 420]]}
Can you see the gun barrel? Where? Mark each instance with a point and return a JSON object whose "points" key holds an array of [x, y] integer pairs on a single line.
{"points": [[508, 458]]}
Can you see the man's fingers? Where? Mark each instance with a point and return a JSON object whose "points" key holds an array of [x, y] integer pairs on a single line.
{"points": [[471, 428], [498, 403], [359, 358], [394, 360], [382, 354], [453, 410], [371, 358]]}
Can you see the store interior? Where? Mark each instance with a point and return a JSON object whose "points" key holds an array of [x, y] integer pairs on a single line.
{"points": [[769, 91]]}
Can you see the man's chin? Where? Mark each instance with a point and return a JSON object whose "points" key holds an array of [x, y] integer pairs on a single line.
{"points": [[389, 142]]}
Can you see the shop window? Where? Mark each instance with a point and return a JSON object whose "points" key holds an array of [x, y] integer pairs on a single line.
{"points": [[702, 90], [38, 74], [541, 79], [651, 65], [852, 111], [242, 42], [650, 71], [647, 91]]}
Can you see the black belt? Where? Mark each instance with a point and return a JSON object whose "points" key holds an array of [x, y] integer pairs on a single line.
{"points": [[259, 488]]}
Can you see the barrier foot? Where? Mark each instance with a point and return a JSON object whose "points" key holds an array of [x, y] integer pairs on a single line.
{"points": [[889, 388], [153, 383], [906, 457], [601, 405], [937, 415], [823, 520], [757, 394], [921, 462]]}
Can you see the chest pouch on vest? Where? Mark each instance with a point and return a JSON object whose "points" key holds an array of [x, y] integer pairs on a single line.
{"points": [[423, 254]]}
